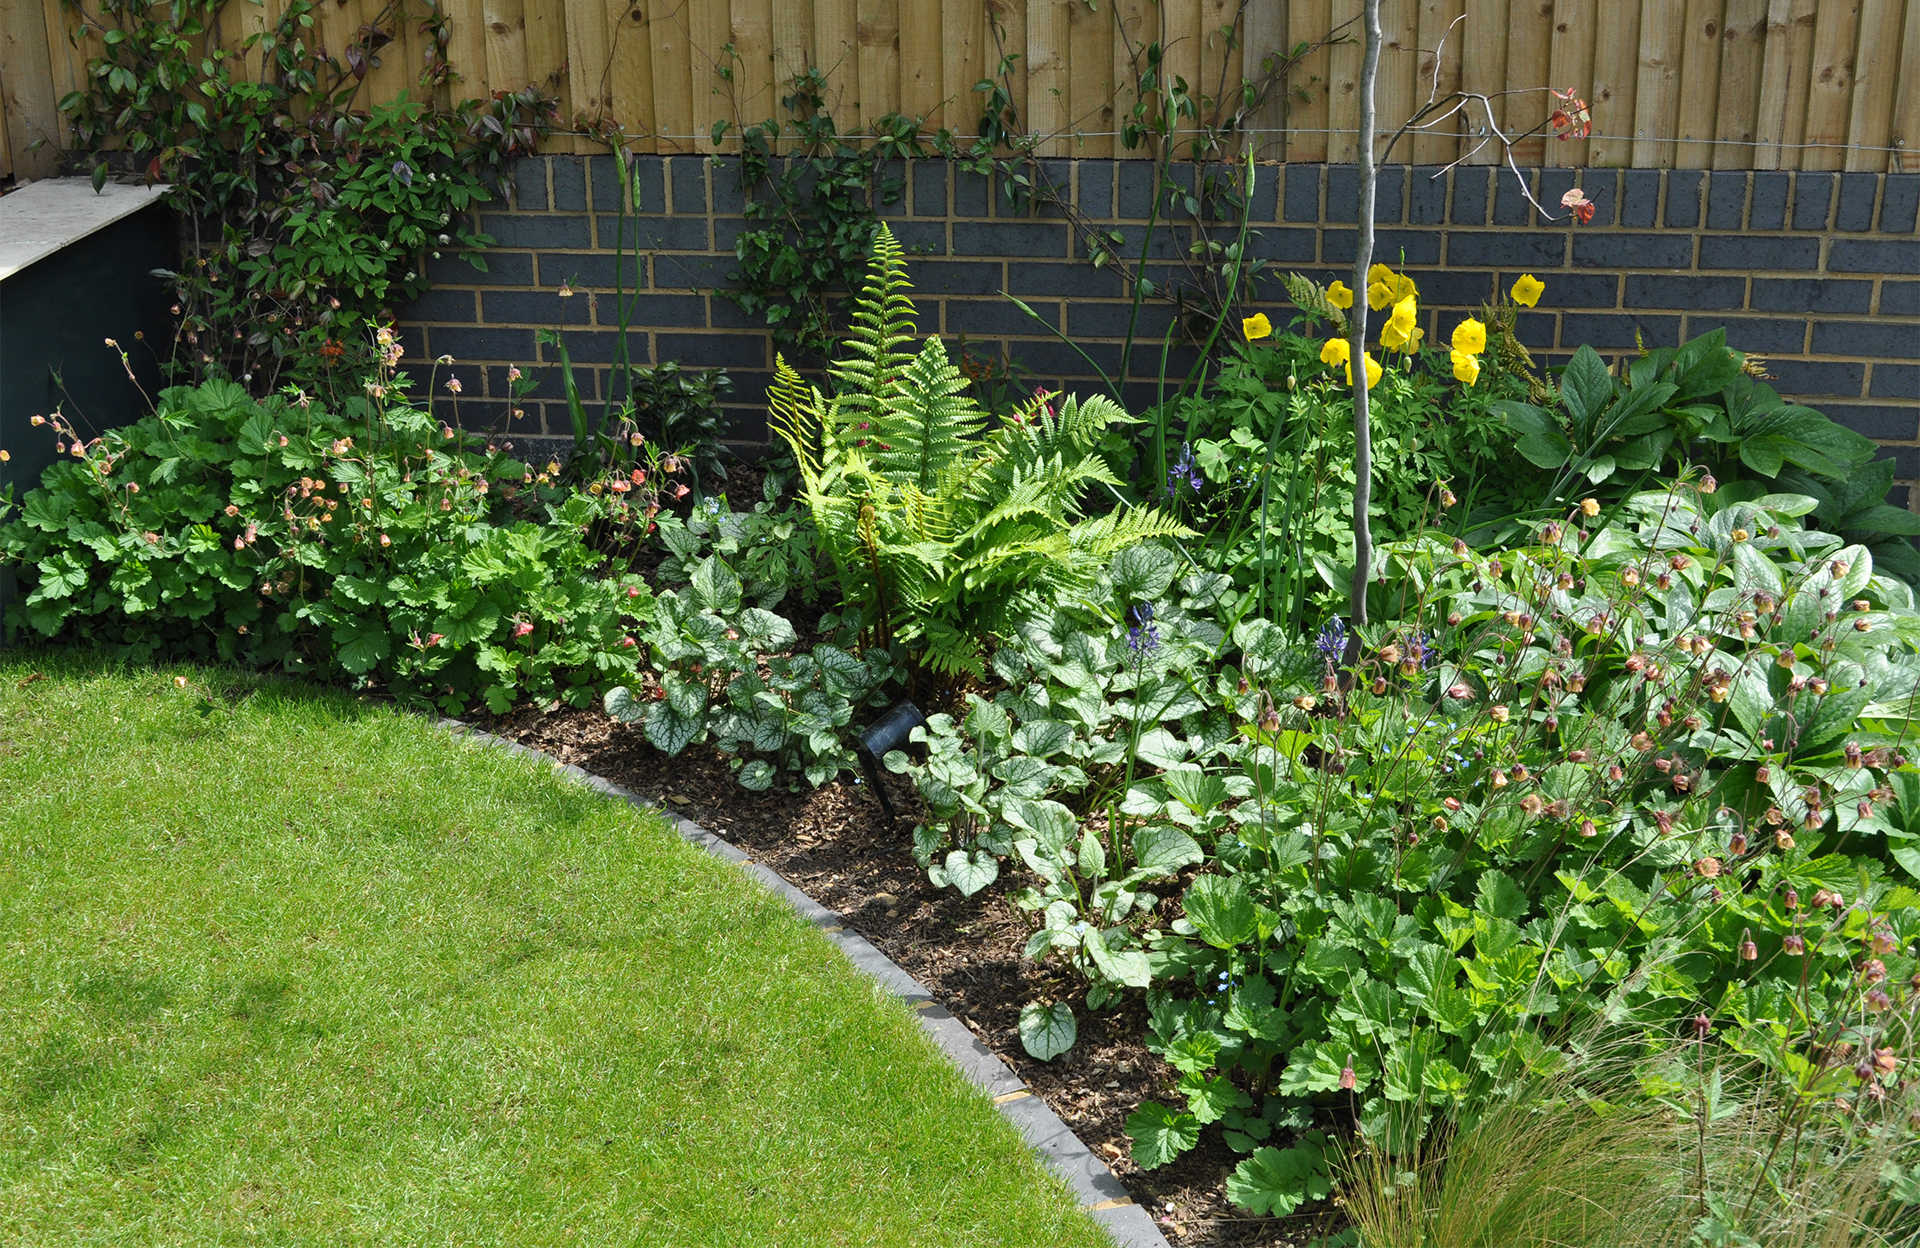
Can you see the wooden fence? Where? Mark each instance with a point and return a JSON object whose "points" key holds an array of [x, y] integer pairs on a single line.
{"points": [[1769, 84]]}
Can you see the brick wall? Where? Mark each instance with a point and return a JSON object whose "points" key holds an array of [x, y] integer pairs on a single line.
{"points": [[1818, 272]]}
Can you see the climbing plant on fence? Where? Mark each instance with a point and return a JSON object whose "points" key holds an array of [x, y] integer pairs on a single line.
{"points": [[306, 212]]}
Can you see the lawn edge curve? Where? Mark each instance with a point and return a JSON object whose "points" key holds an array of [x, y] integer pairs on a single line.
{"points": [[1100, 1193]]}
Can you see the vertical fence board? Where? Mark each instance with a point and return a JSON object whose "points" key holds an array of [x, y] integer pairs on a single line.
{"points": [[26, 90], [720, 80], [1438, 71], [1179, 34], [963, 27], [1529, 60], [1904, 136], [921, 43], [1830, 86], [669, 48], [1396, 94], [506, 45], [1483, 71], [1049, 81], [547, 62], [1308, 22], [1657, 94], [1616, 52], [1091, 113], [816, 34], [1742, 61], [1343, 84], [1219, 84], [877, 39], [1571, 69], [466, 51], [590, 57], [1781, 117], [1876, 79], [1007, 36], [1699, 83], [1264, 36]]}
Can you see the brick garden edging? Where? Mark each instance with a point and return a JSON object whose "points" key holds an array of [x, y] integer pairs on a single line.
{"points": [[1093, 1184]]}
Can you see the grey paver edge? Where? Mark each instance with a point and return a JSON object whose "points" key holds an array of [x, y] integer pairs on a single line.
{"points": [[1093, 1184]]}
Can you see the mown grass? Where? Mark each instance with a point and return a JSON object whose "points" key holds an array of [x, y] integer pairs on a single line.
{"points": [[280, 967]]}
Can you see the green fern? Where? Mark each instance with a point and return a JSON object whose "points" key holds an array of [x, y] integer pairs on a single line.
{"points": [[941, 532]]}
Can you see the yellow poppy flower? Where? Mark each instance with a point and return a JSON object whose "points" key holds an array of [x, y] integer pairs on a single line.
{"points": [[1336, 351], [1466, 367], [1374, 371], [1256, 327], [1339, 296], [1528, 290], [1400, 330], [1470, 337]]}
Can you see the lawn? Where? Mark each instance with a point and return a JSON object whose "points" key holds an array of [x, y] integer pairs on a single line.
{"points": [[278, 966]]}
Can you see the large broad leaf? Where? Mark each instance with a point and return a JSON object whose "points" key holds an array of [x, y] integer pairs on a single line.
{"points": [[1047, 1031], [360, 647], [1278, 1181], [1159, 1134], [1833, 719], [1162, 849], [1499, 896], [623, 706], [765, 631], [1161, 749], [1051, 824], [716, 587], [1220, 908], [1200, 791], [671, 731], [967, 871], [1042, 738], [1538, 435], [1123, 966], [757, 775], [1142, 573], [1586, 388]]}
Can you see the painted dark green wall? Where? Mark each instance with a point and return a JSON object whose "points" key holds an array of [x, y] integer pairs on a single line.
{"points": [[55, 315]]}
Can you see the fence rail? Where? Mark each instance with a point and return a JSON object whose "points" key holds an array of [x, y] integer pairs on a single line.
{"points": [[1689, 84]]}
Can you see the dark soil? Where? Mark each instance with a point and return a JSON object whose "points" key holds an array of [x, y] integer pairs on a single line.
{"points": [[837, 844]]}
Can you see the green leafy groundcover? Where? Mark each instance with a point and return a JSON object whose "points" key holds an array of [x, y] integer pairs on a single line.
{"points": [[280, 966], [1640, 779], [372, 543]]}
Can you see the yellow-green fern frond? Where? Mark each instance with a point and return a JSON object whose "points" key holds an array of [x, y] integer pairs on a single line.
{"points": [[881, 331], [1311, 298], [1101, 536]]}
